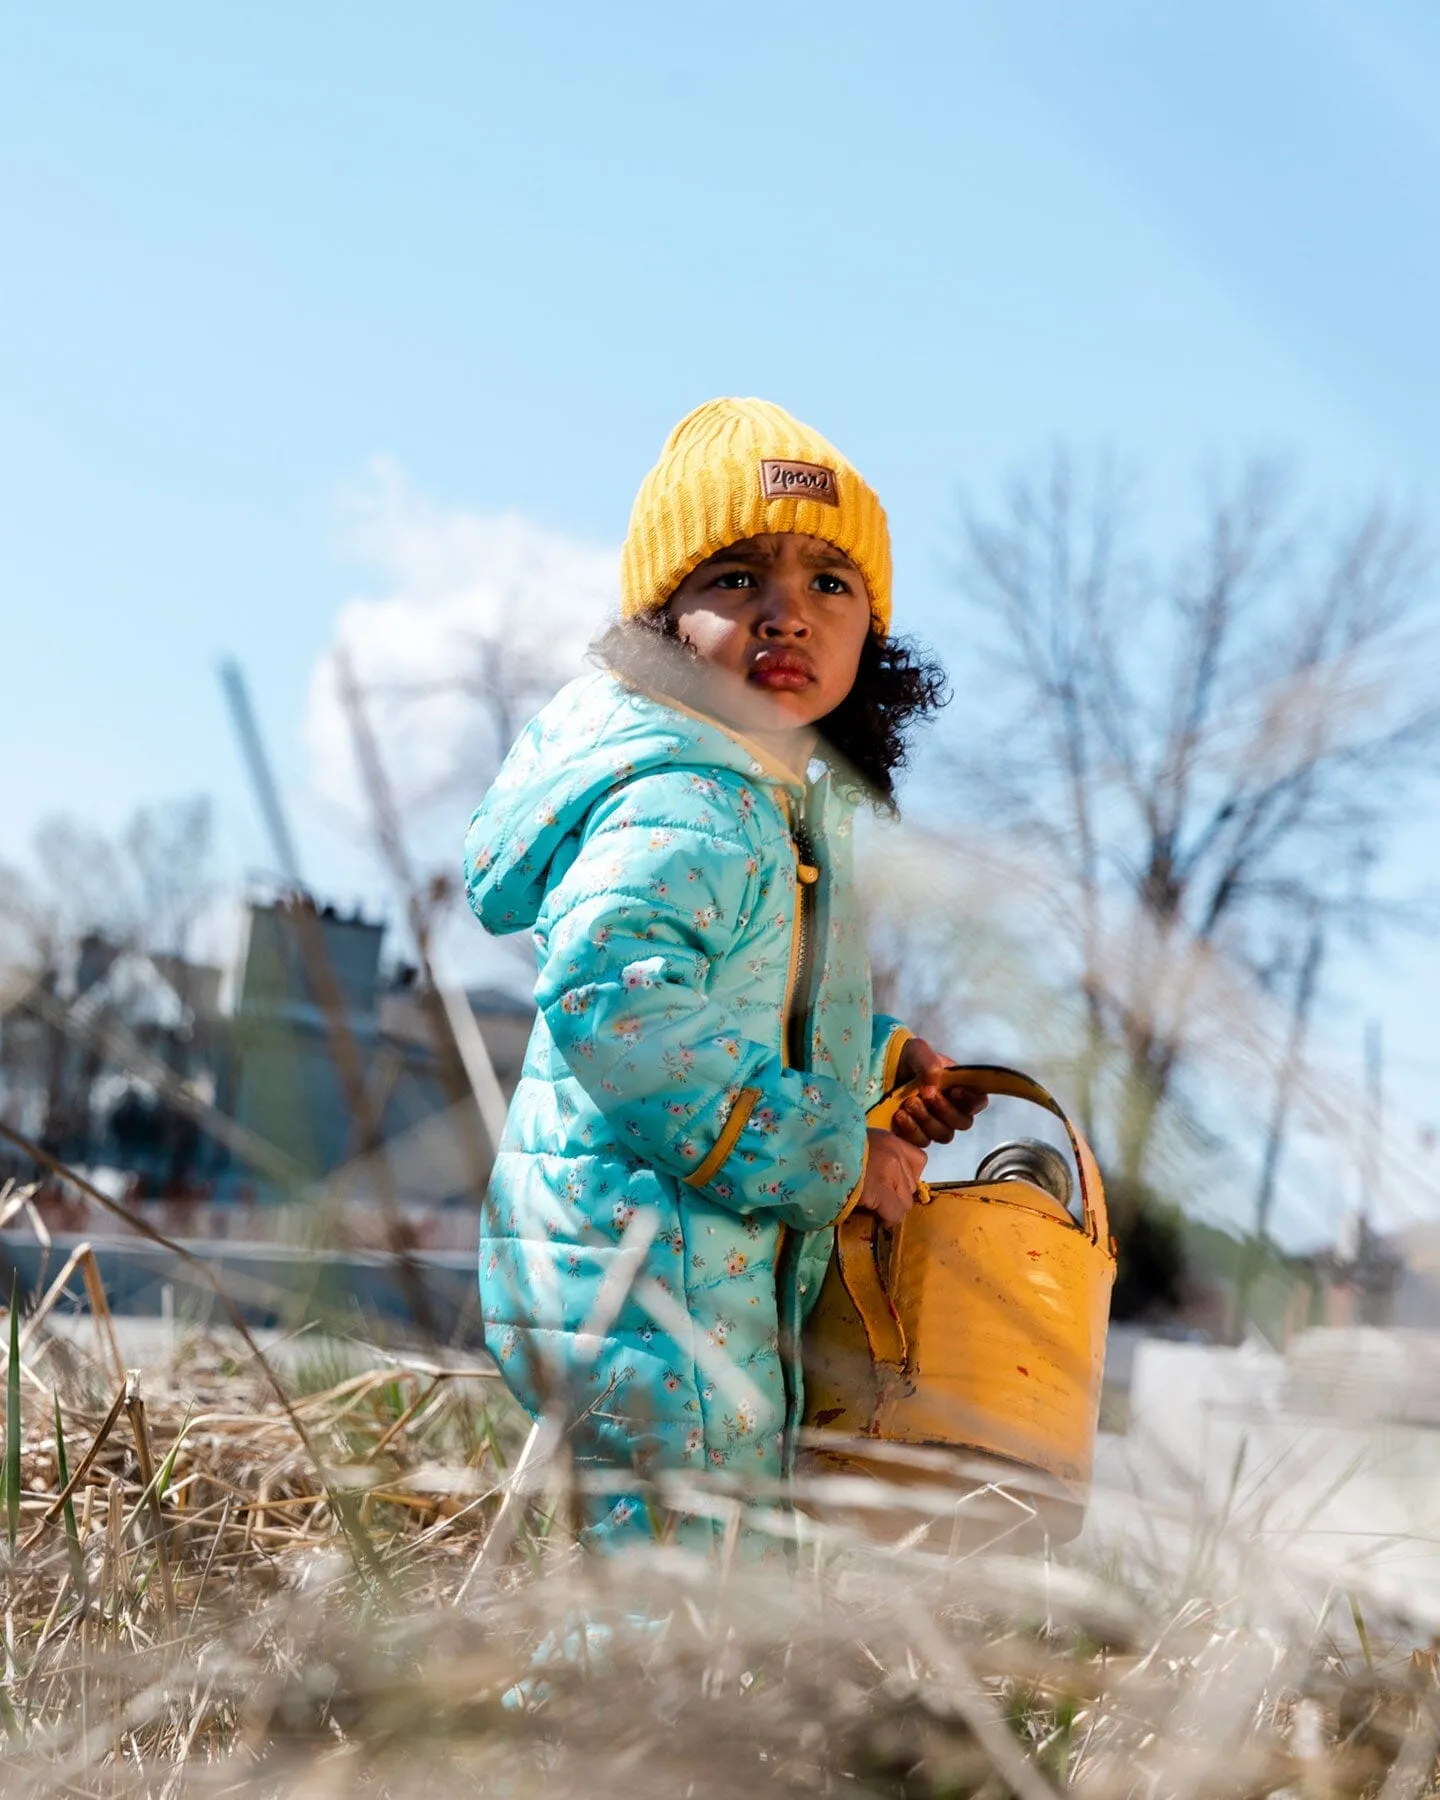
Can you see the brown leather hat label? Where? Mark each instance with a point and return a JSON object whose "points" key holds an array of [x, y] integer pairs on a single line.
{"points": [[798, 481]]}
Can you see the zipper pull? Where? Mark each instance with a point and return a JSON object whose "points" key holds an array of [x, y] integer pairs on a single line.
{"points": [[805, 866]]}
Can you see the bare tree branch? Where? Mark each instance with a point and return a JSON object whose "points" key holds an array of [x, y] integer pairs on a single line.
{"points": [[1208, 746]]}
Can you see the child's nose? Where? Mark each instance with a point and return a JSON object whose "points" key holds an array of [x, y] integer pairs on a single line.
{"points": [[784, 613]]}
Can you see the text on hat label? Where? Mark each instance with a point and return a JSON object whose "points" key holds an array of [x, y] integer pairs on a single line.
{"points": [[781, 480]]}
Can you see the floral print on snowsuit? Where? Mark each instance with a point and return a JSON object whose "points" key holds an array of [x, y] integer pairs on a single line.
{"points": [[652, 855]]}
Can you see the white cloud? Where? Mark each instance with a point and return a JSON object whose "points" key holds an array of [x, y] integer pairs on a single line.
{"points": [[463, 600]]}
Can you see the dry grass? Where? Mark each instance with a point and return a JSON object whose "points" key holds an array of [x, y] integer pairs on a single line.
{"points": [[213, 1613]]}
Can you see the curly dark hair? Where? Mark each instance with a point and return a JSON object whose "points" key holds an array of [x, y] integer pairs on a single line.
{"points": [[865, 738]]}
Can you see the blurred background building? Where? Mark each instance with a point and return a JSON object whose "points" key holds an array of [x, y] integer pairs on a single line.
{"points": [[219, 1092]]}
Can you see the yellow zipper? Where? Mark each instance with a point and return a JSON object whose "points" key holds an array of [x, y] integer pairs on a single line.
{"points": [[806, 875], [797, 939]]}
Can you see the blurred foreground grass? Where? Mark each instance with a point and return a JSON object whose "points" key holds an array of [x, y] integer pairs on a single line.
{"points": [[213, 1590]]}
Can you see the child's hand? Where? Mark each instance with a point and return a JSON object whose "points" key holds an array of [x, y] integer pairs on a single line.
{"points": [[892, 1170], [932, 1116]]}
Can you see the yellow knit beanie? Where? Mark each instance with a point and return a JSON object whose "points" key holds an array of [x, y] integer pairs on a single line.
{"points": [[733, 469]]}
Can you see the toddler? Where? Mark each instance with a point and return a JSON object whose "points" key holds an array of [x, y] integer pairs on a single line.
{"points": [[675, 832]]}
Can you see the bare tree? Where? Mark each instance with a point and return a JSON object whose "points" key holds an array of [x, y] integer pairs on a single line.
{"points": [[86, 899], [144, 889], [509, 681], [1205, 752], [167, 850], [77, 885], [502, 676]]}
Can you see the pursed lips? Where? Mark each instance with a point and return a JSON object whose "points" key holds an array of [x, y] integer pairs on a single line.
{"points": [[781, 669]]}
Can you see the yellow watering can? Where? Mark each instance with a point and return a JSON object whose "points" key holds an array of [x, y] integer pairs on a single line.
{"points": [[976, 1330]]}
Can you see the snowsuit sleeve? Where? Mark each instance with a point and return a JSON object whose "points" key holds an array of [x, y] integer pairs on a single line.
{"points": [[654, 896], [888, 1037]]}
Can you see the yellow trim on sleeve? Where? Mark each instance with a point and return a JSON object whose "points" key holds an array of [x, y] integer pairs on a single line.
{"points": [[854, 1196], [739, 1116], [899, 1038]]}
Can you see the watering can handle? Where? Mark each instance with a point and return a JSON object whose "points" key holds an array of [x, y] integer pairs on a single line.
{"points": [[993, 1079], [855, 1235]]}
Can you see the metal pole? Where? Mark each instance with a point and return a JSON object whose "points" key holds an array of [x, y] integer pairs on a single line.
{"points": [[1374, 1125], [252, 747], [1255, 1252]]}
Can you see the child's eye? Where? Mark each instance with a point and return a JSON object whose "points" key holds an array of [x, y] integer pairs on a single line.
{"points": [[735, 578], [830, 583]]}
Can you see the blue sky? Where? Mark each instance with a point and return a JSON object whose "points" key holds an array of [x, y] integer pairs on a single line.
{"points": [[248, 251]]}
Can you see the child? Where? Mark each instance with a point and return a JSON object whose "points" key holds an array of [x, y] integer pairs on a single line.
{"points": [[704, 1051]]}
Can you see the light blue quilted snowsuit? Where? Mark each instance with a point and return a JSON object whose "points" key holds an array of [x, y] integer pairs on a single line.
{"points": [[668, 873]]}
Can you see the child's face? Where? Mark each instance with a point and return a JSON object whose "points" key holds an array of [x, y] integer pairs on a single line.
{"points": [[781, 619]]}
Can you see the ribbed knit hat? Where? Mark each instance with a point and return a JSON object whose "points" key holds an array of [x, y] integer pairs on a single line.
{"points": [[733, 469]]}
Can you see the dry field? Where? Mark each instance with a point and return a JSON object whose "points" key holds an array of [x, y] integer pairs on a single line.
{"points": [[335, 1574]]}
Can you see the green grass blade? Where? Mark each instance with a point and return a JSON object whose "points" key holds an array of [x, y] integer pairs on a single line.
{"points": [[167, 1468], [1360, 1631], [72, 1534], [368, 1558], [12, 1424], [160, 1480]]}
